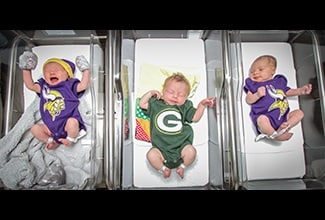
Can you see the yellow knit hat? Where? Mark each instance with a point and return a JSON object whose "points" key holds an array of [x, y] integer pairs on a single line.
{"points": [[66, 64]]}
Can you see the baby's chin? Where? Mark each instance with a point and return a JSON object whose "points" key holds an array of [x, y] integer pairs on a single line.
{"points": [[53, 83], [258, 80], [172, 103]]}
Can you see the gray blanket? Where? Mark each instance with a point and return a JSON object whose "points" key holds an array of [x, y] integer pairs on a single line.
{"points": [[25, 163]]}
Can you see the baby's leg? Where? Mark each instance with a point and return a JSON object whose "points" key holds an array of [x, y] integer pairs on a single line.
{"points": [[286, 135], [72, 129], [166, 171], [42, 133], [294, 118], [66, 141], [188, 154], [180, 170], [51, 144], [264, 125], [156, 160]]}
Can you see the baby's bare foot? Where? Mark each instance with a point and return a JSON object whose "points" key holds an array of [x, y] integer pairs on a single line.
{"points": [[283, 132], [284, 137], [284, 125], [180, 171], [65, 141], [167, 172], [52, 145]]}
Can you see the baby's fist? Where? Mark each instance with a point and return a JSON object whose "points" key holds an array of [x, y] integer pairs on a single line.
{"points": [[28, 60], [82, 63]]}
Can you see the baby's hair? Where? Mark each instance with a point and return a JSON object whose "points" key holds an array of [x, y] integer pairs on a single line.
{"points": [[271, 59], [178, 77]]}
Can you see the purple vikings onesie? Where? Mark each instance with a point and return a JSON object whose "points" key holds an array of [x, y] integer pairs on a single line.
{"points": [[274, 104], [58, 103]]}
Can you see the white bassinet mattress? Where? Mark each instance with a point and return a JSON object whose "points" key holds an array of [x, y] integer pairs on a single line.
{"points": [[155, 59], [268, 159]]}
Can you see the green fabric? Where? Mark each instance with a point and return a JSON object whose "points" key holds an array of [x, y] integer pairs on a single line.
{"points": [[170, 129]]}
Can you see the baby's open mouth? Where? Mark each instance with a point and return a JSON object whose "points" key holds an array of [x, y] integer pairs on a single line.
{"points": [[54, 79]]}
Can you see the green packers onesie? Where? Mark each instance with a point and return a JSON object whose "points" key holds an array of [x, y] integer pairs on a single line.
{"points": [[170, 129]]}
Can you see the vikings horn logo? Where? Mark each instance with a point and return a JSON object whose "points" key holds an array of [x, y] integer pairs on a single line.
{"points": [[280, 102], [55, 103]]}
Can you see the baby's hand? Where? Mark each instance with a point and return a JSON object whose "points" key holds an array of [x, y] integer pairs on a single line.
{"points": [[155, 93], [28, 60], [210, 101], [82, 63], [306, 89], [261, 91]]}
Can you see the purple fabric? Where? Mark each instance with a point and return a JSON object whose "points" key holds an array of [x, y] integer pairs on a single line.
{"points": [[58, 103], [274, 104], [73, 67]]}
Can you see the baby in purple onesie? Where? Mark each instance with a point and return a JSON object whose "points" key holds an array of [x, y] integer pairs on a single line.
{"points": [[59, 96], [267, 94]]}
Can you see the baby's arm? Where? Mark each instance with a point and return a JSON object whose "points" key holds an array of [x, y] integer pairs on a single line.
{"points": [[84, 82], [253, 97], [29, 82], [28, 61], [83, 66], [144, 101], [210, 101], [304, 90]]}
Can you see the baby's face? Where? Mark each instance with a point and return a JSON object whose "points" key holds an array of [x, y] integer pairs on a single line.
{"points": [[54, 73], [175, 93], [261, 71]]}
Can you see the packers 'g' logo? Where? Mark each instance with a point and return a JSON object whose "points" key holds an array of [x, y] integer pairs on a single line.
{"points": [[169, 122]]}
